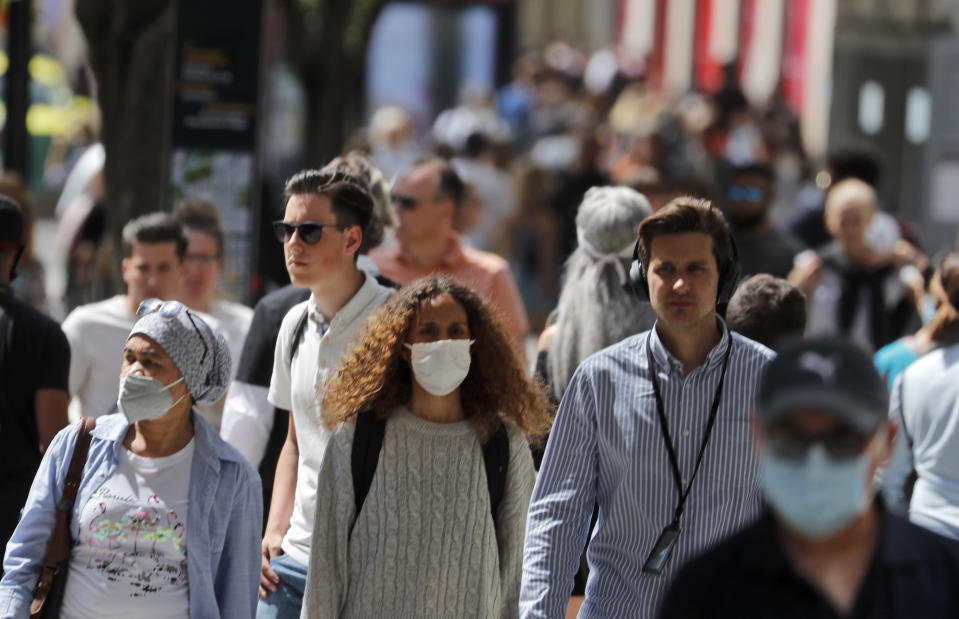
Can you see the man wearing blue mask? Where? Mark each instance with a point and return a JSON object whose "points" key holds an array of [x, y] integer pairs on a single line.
{"points": [[825, 547]]}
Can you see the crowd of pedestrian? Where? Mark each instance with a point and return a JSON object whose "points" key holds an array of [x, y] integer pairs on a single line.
{"points": [[706, 429]]}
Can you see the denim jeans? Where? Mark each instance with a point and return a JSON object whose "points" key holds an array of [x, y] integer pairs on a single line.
{"points": [[286, 601]]}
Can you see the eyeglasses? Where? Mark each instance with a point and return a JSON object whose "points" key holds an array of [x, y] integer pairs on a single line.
{"points": [[201, 259], [841, 444], [167, 310], [405, 202], [310, 231], [746, 194]]}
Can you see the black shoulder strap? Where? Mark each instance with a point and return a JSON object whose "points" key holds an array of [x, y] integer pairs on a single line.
{"points": [[902, 412], [496, 459], [367, 443], [4, 332], [365, 456], [5, 410], [298, 332]]}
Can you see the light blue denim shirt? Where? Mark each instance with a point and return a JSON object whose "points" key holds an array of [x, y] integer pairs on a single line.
{"points": [[223, 523]]}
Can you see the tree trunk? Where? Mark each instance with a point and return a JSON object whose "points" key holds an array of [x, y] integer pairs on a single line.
{"points": [[130, 52], [328, 44]]}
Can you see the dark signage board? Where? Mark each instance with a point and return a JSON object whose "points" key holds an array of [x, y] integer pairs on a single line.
{"points": [[217, 70], [213, 145]]}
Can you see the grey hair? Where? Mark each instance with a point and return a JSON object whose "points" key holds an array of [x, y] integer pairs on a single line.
{"points": [[595, 310]]}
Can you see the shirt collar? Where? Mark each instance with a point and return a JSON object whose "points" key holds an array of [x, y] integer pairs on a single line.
{"points": [[114, 428], [349, 312], [666, 359], [317, 317]]}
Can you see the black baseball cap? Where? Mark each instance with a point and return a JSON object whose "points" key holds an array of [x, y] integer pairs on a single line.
{"points": [[11, 222], [832, 375]]}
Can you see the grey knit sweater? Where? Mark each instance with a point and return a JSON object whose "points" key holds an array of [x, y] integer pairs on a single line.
{"points": [[424, 544]]}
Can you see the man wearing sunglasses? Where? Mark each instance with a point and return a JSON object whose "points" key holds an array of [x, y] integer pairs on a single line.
{"points": [[321, 231], [763, 248], [427, 198], [153, 249], [825, 546]]}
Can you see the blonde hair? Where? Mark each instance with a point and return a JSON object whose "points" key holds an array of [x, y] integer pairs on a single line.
{"points": [[851, 191]]}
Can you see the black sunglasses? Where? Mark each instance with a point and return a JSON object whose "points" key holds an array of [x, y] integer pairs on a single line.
{"points": [[310, 231], [167, 310], [405, 202], [841, 444]]}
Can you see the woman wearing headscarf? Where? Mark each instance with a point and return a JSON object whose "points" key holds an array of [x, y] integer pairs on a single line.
{"points": [[167, 519], [596, 308], [426, 534]]}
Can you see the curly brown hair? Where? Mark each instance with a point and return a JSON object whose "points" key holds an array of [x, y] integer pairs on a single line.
{"points": [[374, 376]]}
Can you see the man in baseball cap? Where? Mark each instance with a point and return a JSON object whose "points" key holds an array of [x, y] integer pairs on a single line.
{"points": [[825, 546]]}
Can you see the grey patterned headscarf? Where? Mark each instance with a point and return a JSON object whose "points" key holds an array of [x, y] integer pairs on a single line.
{"points": [[207, 376]]}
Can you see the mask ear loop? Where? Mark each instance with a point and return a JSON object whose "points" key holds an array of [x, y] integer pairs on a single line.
{"points": [[182, 379]]}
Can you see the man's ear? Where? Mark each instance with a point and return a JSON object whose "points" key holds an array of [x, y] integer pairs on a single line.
{"points": [[448, 210], [353, 237]]}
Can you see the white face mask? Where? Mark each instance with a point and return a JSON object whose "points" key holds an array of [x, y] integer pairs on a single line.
{"points": [[440, 367], [144, 398]]}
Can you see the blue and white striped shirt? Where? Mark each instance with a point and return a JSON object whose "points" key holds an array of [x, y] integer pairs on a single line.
{"points": [[606, 446]]}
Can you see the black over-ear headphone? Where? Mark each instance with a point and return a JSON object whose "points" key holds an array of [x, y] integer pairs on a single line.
{"points": [[729, 274]]}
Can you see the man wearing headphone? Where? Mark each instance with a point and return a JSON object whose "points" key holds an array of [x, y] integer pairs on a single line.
{"points": [[667, 454]]}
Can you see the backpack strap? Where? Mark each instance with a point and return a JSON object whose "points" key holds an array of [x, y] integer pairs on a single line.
{"points": [[367, 443], [298, 332], [496, 460], [5, 329], [913, 476]]}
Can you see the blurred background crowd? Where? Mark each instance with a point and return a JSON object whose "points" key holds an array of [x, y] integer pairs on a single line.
{"points": [[760, 106]]}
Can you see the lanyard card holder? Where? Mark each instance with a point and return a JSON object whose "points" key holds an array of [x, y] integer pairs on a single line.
{"points": [[662, 550]]}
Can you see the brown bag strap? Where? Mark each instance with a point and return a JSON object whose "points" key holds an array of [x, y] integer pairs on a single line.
{"points": [[61, 541]]}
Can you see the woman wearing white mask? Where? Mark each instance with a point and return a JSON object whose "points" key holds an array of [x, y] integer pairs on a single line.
{"points": [[167, 518], [423, 492]]}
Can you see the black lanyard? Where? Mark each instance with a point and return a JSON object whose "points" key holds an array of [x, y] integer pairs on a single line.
{"points": [[664, 428]]}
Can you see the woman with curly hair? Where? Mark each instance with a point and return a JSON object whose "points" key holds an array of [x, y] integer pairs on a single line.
{"points": [[426, 539]]}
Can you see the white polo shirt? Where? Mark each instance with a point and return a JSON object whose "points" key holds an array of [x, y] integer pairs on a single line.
{"points": [[295, 387]]}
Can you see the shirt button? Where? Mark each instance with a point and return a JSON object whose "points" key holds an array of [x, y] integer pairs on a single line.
{"points": [[686, 432]]}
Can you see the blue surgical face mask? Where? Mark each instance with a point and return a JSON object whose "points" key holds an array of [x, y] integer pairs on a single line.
{"points": [[815, 495]]}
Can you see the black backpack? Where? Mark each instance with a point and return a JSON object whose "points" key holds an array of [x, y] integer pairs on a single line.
{"points": [[368, 441]]}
